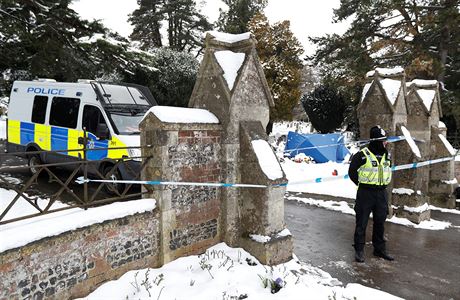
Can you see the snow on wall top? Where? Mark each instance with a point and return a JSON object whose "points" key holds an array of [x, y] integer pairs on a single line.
{"points": [[170, 114], [23, 232], [392, 88], [228, 37], [230, 63], [424, 83], [366, 88], [427, 97], [267, 159], [411, 142], [446, 143], [385, 71]]}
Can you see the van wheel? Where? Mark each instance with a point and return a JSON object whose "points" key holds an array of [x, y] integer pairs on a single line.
{"points": [[113, 187], [34, 162]]}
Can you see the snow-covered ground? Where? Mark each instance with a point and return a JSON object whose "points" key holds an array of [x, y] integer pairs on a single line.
{"points": [[222, 272], [231, 273]]}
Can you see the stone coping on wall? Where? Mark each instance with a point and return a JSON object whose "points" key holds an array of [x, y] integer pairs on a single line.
{"points": [[21, 233]]}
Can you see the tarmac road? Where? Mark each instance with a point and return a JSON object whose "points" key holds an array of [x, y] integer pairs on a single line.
{"points": [[427, 264]]}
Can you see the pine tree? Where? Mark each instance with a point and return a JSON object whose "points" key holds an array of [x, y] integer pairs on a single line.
{"points": [[185, 25], [422, 36], [235, 19], [41, 38], [147, 23], [279, 52], [325, 107]]}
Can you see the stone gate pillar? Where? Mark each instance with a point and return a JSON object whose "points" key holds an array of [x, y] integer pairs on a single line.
{"points": [[384, 103], [231, 84], [183, 152]]}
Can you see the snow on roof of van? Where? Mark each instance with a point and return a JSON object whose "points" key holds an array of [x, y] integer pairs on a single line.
{"points": [[228, 37], [170, 114]]}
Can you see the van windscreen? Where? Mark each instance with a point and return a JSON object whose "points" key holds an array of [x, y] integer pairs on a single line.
{"points": [[118, 94]]}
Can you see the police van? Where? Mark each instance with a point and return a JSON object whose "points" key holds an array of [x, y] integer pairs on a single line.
{"points": [[50, 115]]}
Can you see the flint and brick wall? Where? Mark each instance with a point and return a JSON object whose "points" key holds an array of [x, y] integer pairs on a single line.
{"points": [[190, 215], [74, 263]]}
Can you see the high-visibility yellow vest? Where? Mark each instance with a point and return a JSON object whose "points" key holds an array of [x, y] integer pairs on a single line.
{"points": [[374, 172]]}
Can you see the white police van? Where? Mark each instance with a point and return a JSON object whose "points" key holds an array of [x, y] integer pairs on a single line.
{"points": [[50, 115]]}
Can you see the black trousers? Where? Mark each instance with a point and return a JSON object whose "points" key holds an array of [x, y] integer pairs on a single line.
{"points": [[367, 201]]}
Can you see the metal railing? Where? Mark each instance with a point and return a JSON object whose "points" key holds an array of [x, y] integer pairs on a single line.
{"points": [[101, 193]]}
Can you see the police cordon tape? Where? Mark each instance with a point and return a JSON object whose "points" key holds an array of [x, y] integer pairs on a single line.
{"points": [[81, 180]]}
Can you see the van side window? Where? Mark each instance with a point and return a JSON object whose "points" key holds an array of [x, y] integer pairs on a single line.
{"points": [[92, 116], [64, 112], [39, 109]]}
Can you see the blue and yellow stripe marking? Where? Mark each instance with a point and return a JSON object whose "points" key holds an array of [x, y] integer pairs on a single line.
{"points": [[58, 138]]}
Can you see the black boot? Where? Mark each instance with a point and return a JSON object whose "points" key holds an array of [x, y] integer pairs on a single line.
{"points": [[359, 256], [384, 255]]}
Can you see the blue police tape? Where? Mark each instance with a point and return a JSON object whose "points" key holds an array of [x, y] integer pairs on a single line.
{"points": [[81, 180]]}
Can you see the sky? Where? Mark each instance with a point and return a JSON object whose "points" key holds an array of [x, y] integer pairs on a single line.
{"points": [[306, 19]]}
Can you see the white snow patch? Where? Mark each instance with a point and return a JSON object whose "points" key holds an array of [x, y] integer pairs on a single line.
{"points": [[441, 124], [341, 206], [386, 71], [403, 191], [366, 88], [445, 210], [231, 63], [345, 208], [260, 238], [267, 159], [418, 209], [228, 276], [299, 174], [392, 88], [2, 128], [452, 181], [170, 114], [430, 225], [427, 97], [411, 142], [228, 37], [283, 233], [20, 233], [424, 83], [446, 143]]}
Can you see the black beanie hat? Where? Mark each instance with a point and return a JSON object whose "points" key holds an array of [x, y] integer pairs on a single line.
{"points": [[377, 132]]}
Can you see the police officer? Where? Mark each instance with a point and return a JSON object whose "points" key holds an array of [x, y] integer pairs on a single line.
{"points": [[370, 170]]}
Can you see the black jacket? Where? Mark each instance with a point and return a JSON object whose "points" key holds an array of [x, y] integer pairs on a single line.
{"points": [[359, 159]]}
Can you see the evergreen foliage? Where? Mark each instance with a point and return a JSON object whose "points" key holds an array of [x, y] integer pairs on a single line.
{"points": [[146, 21], [172, 84], [325, 107], [279, 52], [240, 12], [184, 24], [422, 36]]}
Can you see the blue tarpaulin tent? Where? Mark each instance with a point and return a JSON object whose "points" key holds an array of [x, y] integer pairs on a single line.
{"points": [[322, 147]]}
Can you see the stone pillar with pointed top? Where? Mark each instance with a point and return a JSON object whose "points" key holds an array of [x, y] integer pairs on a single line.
{"points": [[232, 85], [384, 103], [424, 123]]}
